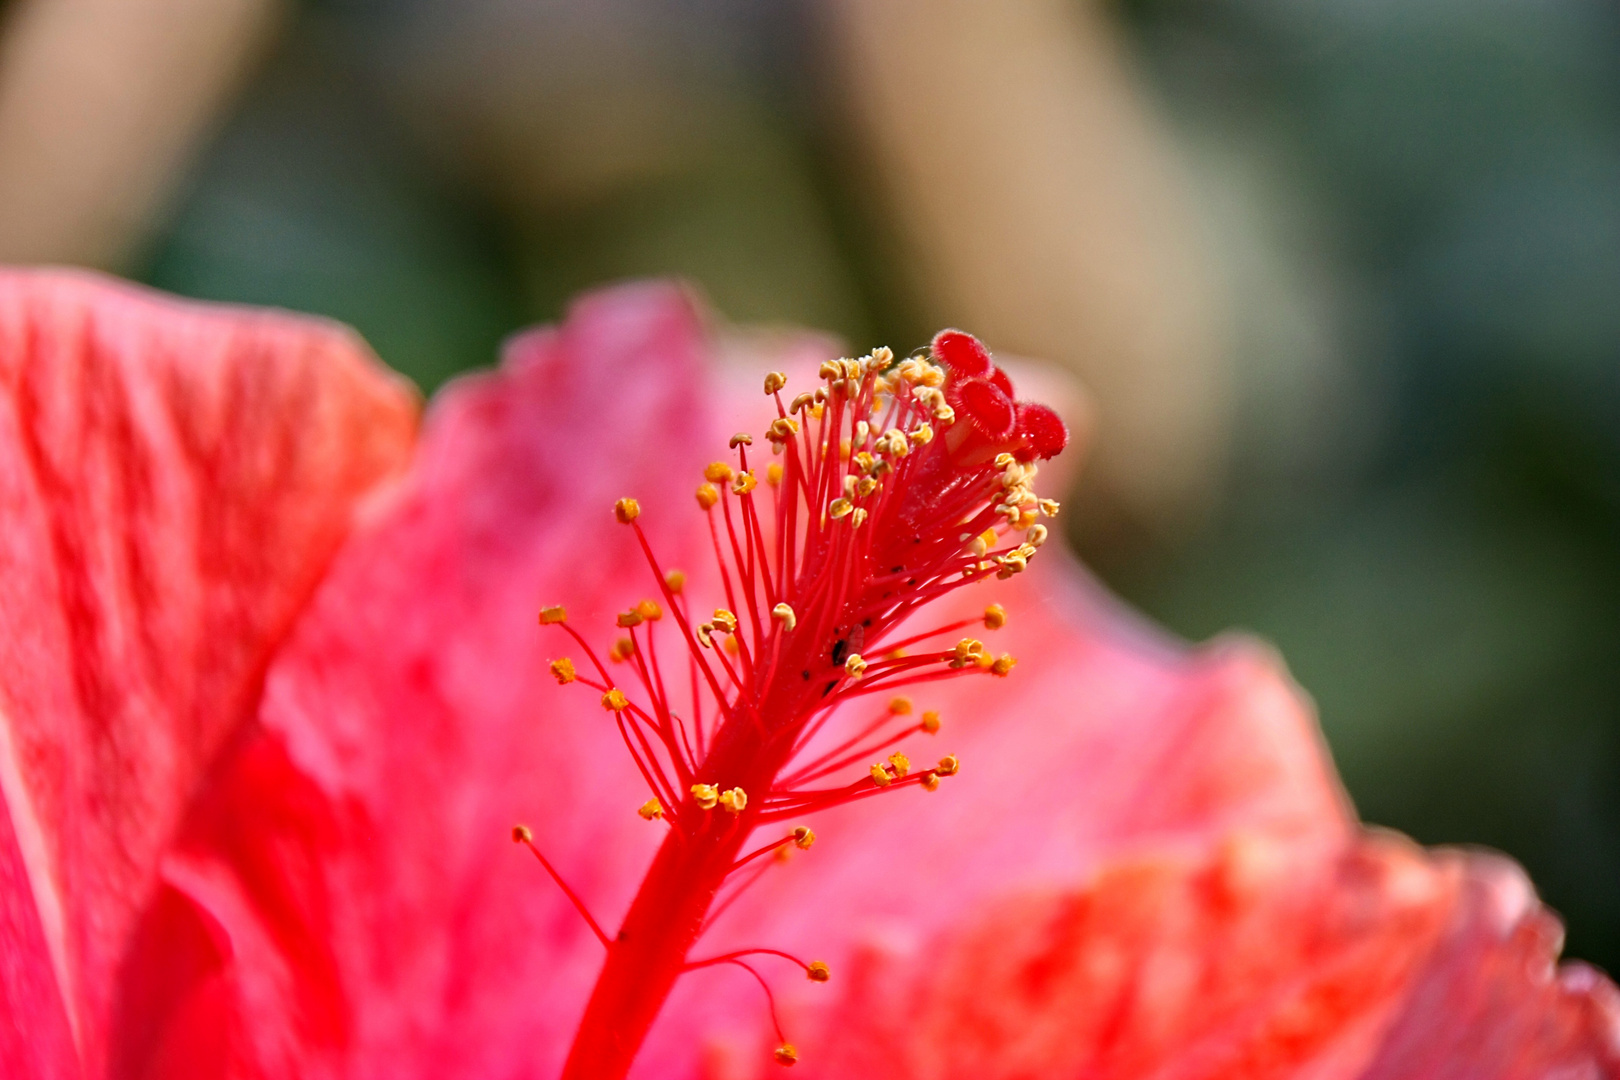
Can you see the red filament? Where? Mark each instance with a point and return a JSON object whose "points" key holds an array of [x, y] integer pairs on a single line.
{"points": [[892, 484]]}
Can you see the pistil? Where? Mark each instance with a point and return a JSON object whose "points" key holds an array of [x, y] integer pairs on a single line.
{"points": [[897, 482]]}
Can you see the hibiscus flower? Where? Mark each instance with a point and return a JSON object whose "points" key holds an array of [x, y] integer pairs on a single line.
{"points": [[272, 697]]}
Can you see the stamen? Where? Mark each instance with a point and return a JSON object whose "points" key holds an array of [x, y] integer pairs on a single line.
{"points": [[522, 835], [891, 485]]}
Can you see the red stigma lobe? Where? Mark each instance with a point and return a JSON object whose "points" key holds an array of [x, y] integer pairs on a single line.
{"points": [[888, 486]]}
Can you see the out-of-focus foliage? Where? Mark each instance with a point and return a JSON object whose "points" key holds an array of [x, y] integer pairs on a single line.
{"points": [[1435, 542]]}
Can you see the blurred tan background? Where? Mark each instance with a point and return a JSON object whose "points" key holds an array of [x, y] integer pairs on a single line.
{"points": [[1339, 276]]}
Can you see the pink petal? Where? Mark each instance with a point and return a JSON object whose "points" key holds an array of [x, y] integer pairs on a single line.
{"points": [[1254, 963], [346, 901], [352, 874], [174, 477]]}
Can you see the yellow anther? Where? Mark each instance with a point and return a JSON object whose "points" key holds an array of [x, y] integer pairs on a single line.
{"points": [[552, 615], [615, 701], [773, 474], [900, 764], [818, 971], [725, 620], [707, 496], [626, 510], [783, 613], [734, 800], [839, 508], [521, 834], [707, 795], [628, 620], [1011, 563], [676, 580], [1004, 460], [857, 519], [862, 430], [984, 660], [900, 706], [1003, 665], [705, 635], [622, 650], [717, 472], [930, 781], [1036, 536], [742, 438], [945, 415], [649, 610], [849, 485], [855, 667], [1050, 507], [802, 402], [895, 654], [923, 435], [966, 652], [651, 810], [786, 1054], [864, 461], [830, 369], [930, 722], [803, 837], [775, 381], [880, 775], [731, 646], [744, 483], [818, 410], [563, 671], [865, 486], [995, 617], [1026, 519], [782, 429], [882, 356], [948, 765]]}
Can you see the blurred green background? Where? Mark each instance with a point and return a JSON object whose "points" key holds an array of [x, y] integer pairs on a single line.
{"points": [[1414, 208]]}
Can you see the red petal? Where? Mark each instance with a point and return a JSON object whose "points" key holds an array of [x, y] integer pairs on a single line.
{"points": [[355, 860], [175, 477], [1489, 1003], [35, 1040], [1377, 963], [347, 900], [962, 353]]}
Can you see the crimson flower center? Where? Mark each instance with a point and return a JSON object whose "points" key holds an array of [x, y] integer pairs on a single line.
{"points": [[890, 485]]}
